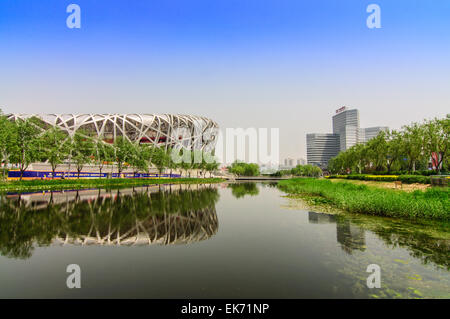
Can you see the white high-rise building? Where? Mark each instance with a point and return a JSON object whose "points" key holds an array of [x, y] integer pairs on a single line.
{"points": [[320, 148], [346, 133], [346, 124], [372, 132]]}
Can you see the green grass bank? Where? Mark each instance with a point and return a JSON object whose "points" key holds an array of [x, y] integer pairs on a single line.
{"points": [[406, 179], [57, 184], [434, 203]]}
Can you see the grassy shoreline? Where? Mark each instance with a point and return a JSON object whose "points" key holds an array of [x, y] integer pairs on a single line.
{"points": [[434, 203], [386, 185], [406, 179], [58, 184]]}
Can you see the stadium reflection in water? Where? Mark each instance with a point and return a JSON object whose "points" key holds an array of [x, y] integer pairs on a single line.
{"points": [[165, 215]]}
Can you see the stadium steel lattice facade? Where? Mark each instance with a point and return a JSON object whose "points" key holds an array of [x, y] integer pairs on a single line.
{"points": [[193, 132]]}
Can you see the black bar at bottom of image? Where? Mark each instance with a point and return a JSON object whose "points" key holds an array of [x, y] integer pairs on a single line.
{"points": [[220, 308]]}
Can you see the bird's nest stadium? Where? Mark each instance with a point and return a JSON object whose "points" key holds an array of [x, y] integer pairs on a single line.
{"points": [[193, 132]]}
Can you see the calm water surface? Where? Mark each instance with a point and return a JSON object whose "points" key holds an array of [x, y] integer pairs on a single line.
{"points": [[212, 241]]}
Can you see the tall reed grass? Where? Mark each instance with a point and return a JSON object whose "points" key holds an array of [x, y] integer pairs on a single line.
{"points": [[434, 203]]}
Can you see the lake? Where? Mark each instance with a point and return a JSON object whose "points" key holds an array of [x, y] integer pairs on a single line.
{"points": [[242, 240]]}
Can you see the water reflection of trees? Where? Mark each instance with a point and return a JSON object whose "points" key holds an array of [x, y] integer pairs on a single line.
{"points": [[418, 239], [421, 245], [239, 190], [138, 216]]}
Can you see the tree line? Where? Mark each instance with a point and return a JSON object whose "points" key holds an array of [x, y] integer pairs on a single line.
{"points": [[23, 142], [307, 170], [407, 150], [244, 169]]}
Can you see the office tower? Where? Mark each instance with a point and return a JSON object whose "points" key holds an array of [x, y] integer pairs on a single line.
{"points": [[346, 124], [346, 133], [372, 132], [320, 148]]}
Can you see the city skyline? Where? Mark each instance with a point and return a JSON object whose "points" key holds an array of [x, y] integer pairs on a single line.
{"points": [[287, 65], [347, 132]]}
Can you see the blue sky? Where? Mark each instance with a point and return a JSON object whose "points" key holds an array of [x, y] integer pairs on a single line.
{"points": [[277, 63]]}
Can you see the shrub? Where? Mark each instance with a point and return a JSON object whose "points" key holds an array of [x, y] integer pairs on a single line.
{"points": [[244, 169], [281, 173]]}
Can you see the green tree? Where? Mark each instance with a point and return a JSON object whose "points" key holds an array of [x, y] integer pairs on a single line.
{"points": [[25, 144], [147, 152], [311, 171], [412, 146], [212, 166], [139, 160], [83, 150], [437, 139], [199, 161], [186, 166], [55, 147], [409, 149], [181, 158], [6, 134], [394, 149], [252, 169], [171, 163], [237, 169], [336, 165], [297, 170], [160, 159], [103, 154], [377, 151], [123, 149], [244, 169]]}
